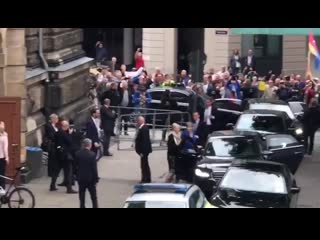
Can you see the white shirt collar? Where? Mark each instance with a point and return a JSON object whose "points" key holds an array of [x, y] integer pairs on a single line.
{"points": [[141, 126]]}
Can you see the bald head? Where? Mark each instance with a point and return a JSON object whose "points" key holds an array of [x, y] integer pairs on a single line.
{"points": [[65, 125], [141, 121]]}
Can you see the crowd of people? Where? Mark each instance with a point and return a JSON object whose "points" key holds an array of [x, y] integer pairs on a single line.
{"points": [[113, 86]]}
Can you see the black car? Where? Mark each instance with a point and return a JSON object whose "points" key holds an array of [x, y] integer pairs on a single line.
{"points": [[293, 124], [231, 109], [179, 100], [257, 184], [298, 109], [224, 147]]}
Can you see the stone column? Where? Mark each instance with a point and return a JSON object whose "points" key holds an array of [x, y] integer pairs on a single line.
{"points": [[160, 49], [14, 70], [294, 54], [217, 48], [128, 49]]}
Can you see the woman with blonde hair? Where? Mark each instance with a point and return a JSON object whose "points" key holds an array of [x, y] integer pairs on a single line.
{"points": [[174, 147], [4, 156]]}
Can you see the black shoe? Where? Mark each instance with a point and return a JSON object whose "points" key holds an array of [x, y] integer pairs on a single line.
{"points": [[71, 191], [53, 189], [62, 184], [126, 134], [108, 155]]}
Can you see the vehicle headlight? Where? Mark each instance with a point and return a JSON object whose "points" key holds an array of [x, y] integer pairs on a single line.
{"points": [[201, 173], [299, 131]]}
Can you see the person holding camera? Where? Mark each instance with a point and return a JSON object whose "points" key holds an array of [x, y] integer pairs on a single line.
{"points": [[64, 147], [108, 118]]}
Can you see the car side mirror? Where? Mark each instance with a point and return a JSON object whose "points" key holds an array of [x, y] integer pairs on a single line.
{"points": [[230, 126], [295, 190]]}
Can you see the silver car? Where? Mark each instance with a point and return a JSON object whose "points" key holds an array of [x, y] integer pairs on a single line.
{"points": [[167, 196]]}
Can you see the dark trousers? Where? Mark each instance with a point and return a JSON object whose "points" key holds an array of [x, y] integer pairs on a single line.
{"points": [[92, 191], [124, 119], [309, 140], [145, 169], [106, 143], [2, 172], [171, 161], [66, 165]]}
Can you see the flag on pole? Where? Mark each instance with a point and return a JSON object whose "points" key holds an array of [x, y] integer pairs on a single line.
{"points": [[313, 53]]}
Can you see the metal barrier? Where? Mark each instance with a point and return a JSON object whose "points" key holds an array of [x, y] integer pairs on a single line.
{"points": [[152, 117]]}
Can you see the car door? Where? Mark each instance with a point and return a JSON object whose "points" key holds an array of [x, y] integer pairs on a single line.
{"points": [[229, 109], [291, 184], [285, 149]]}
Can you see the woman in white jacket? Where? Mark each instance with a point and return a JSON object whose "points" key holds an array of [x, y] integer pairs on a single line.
{"points": [[4, 156]]}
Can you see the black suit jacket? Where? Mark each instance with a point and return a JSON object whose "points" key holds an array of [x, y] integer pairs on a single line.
{"points": [[87, 167], [143, 142], [49, 132], [63, 144], [92, 133], [107, 119], [253, 62]]}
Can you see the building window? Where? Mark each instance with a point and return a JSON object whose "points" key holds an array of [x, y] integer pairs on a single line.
{"points": [[262, 45]]}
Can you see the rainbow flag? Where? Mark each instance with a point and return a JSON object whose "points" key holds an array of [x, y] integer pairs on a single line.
{"points": [[313, 50]]}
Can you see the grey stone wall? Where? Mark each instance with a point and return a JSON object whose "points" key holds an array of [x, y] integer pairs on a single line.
{"points": [[60, 45]]}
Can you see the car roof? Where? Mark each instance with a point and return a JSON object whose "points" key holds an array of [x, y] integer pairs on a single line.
{"points": [[266, 101], [143, 197], [266, 112], [233, 134], [258, 165], [161, 192], [163, 89]]}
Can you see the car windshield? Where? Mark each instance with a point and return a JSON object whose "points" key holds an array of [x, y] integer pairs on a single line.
{"points": [[254, 181], [297, 107], [274, 107], [238, 147], [155, 204], [263, 123]]}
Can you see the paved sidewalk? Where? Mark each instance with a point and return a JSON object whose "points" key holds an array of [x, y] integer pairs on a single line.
{"points": [[118, 176]]}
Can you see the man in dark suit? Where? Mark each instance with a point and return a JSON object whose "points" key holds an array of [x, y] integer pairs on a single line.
{"points": [[199, 129], [63, 144], [249, 62], [93, 130], [143, 149], [87, 173], [108, 117]]}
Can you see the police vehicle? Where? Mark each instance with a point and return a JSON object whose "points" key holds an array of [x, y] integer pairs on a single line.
{"points": [[167, 196]]}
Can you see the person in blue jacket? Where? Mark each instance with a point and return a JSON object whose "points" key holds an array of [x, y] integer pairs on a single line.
{"points": [[141, 99], [233, 89]]}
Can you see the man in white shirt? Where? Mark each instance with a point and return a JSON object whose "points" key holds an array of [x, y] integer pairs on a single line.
{"points": [[206, 83], [250, 62], [208, 118]]}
